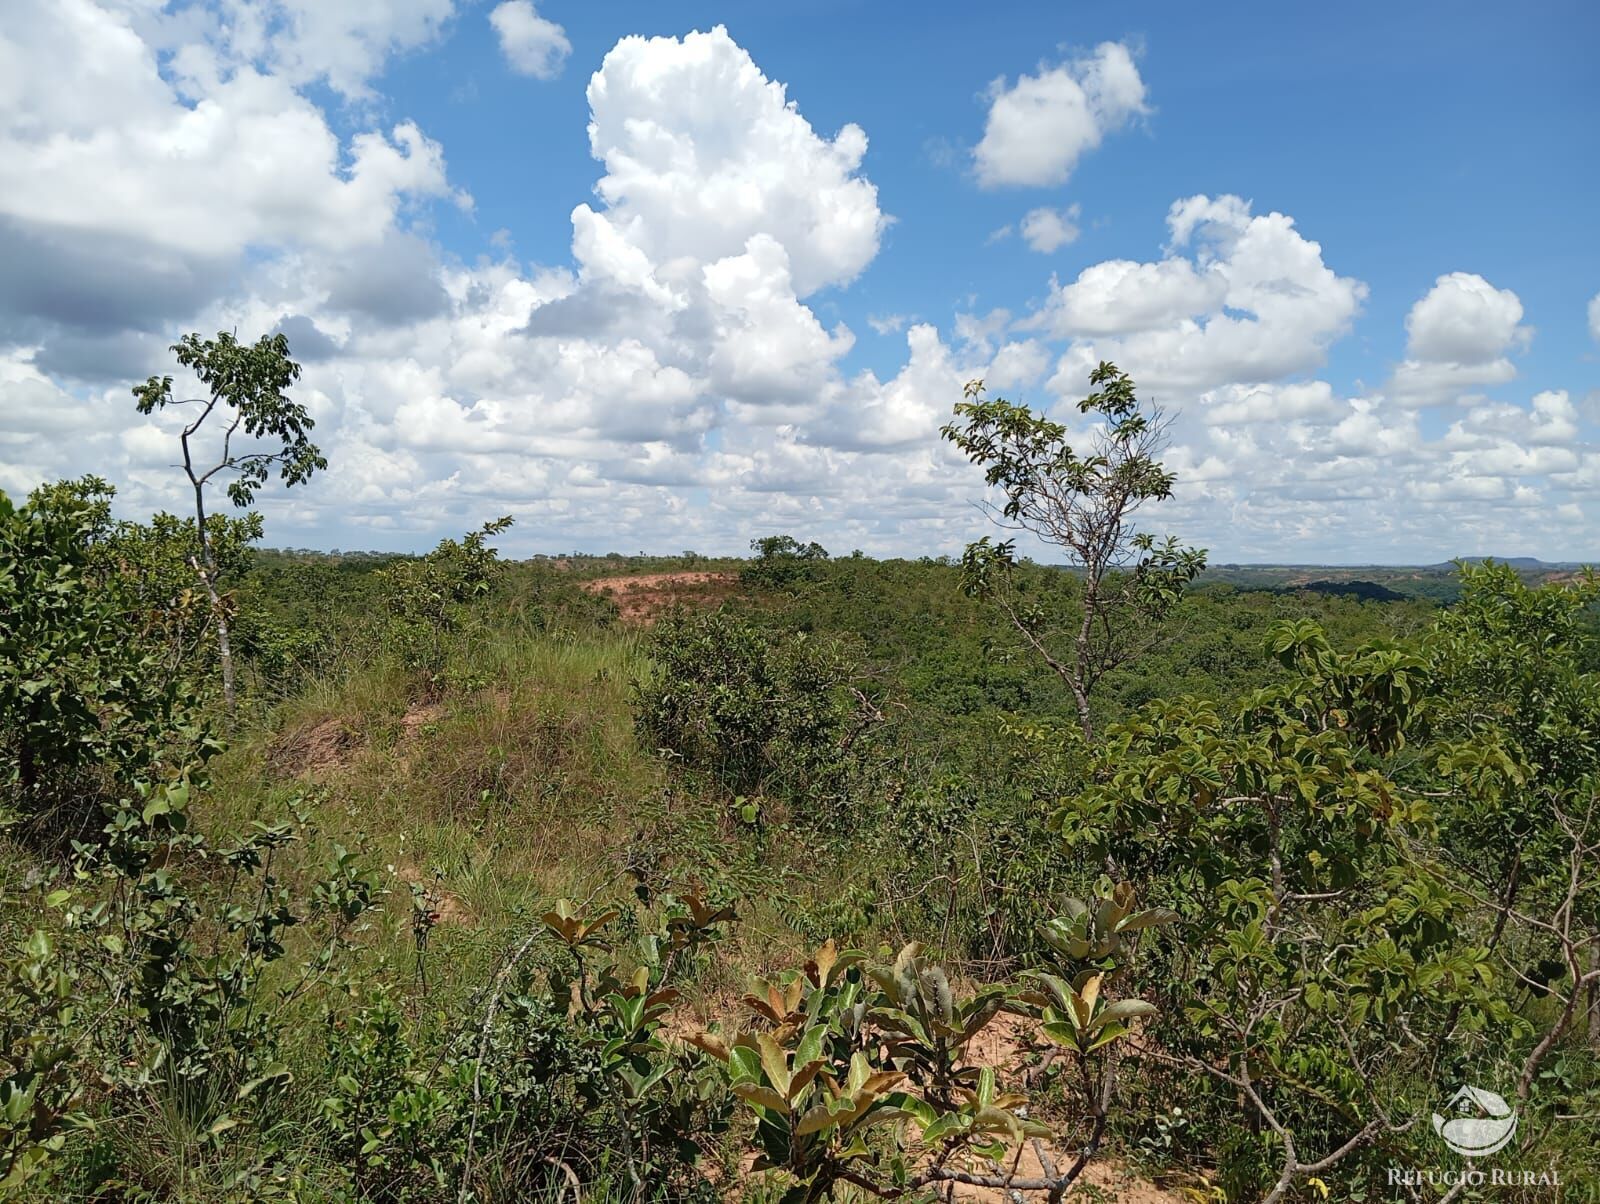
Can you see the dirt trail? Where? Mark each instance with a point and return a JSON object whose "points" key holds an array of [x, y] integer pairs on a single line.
{"points": [[1117, 1183]]}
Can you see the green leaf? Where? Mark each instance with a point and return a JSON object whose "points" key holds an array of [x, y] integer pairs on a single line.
{"points": [[745, 1063], [277, 1072], [815, 1121], [1123, 1009], [1060, 1032], [774, 1061], [809, 1047], [762, 1096], [947, 1125]]}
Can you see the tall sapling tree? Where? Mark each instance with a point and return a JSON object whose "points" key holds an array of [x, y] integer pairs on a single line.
{"points": [[1084, 503], [246, 385]]}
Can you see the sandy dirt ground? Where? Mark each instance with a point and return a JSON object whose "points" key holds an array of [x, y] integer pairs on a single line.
{"points": [[642, 597]]}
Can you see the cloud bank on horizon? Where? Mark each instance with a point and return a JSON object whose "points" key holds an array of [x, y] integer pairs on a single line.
{"points": [[685, 377]]}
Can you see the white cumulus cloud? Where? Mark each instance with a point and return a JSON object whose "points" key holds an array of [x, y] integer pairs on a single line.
{"points": [[1245, 404], [137, 194], [341, 43], [1458, 339], [1251, 301], [1047, 230], [684, 378], [532, 44], [1039, 127], [702, 151]]}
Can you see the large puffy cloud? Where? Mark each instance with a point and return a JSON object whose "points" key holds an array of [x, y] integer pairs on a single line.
{"points": [[142, 180], [1253, 302], [1226, 330], [702, 151], [1039, 127], [678, 355], [766, 346], [1459, 336], [677, 383], [1018, 365], [167, 170], [1464, 319], [252, 163], [1121, 297], [721, 208], [904, 413]]}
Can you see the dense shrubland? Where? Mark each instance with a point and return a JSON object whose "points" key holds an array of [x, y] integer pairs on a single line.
{"points": [[878, 879]]}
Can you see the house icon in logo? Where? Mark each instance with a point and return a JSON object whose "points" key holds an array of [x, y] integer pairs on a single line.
{"points": [[1484, 1124]]}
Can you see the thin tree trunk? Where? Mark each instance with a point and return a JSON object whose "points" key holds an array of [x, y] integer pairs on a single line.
{"points": [[205, 565], [1275, 860], [1592, 1011], [1080, 685], [224, 648], [1081, 701]]}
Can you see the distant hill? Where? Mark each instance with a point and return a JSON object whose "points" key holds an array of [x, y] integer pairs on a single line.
{"points": [[1523, 564], [1437, 583], [1367, 591]]}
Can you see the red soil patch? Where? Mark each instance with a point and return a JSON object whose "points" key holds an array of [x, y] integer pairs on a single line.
{"points": [[446, 908], [641, 598], [314, 749], [418, 715], [413, 725], [328, 746], [1006, 1043], [1117, 1183]]}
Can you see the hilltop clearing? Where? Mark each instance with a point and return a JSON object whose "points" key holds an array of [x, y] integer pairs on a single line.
{"points": [[641, 597]]}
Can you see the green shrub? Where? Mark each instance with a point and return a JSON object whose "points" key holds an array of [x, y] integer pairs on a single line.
{"points": [[757, 711], [91, 700], [782, 562], [428, 599]]}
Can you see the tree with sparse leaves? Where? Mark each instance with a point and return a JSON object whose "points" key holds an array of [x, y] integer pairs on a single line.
{"points": [[246, 384], [1084, 502]]}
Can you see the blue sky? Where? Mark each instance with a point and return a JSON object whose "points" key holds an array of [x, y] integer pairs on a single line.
{"points": [[1412, 138], [1400, 366]]}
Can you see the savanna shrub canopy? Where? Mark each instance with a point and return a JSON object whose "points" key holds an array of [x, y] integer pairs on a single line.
{"points": [[836, 883]]}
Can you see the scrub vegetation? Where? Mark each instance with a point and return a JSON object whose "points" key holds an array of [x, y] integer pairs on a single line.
{"points": [[797, 877]]}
